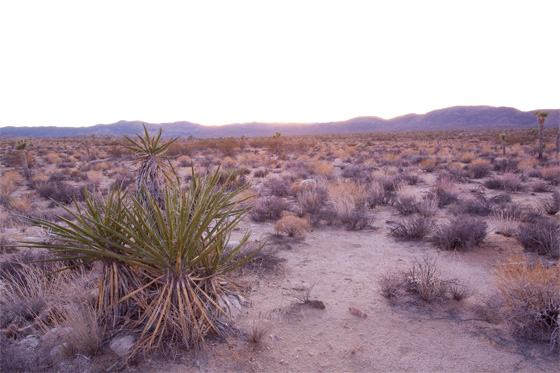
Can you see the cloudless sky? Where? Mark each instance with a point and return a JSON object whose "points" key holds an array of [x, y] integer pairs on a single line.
{"points": [[80, 63]]}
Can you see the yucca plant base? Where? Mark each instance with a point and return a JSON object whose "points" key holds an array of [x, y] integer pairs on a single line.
{"points": [[164, 263]]}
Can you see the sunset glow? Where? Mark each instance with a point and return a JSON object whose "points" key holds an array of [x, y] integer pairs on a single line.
{"points": [[69, 63]]}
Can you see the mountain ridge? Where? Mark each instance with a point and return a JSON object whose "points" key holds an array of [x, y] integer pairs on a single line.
{"points": [[455, 117]]}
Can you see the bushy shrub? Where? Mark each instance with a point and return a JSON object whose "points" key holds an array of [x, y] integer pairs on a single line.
{"points": [[551, 205], [509, 182], [551, 174], [375, 194], [60, 192], [542, 237], [461, 233], [531, 298], [261, 172], [479, 205], [428, 205], [278, 187], [413, 228], [268, 208], [292, 226], [311, 201], [425, 280], [505, 165], [479, 169], [406, 203]]}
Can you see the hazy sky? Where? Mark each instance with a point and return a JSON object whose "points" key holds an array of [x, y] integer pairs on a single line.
{"points": [[78, 63]]}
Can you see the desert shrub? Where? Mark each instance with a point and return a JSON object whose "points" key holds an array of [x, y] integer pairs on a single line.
{"points": [[425, 279], [551, 205], [122, 181], [405, 202], [354, 172], [261, 172], [375, 194], [542, 237], [25, 297], [292, 226], [391, 283], [507, 221], [60, 192], [348, 200], [551, 174], [428, 205], [278, 187], [83, 332], [540, 187], [508, 181], [428, 165], [268, 208], [413, 228], [461, 233], [479, 168], [357, 219], [479, 205], [505, 165], [531, 298], [311, 200]]}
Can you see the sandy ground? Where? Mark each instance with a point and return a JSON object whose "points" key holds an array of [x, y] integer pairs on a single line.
{"points": [[406, 334]]}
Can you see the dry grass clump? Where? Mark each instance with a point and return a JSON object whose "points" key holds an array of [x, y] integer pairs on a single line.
{"points": [[413, 228], [507, 221], [22, 204], [261, 324], [292, 226], [461, 233], [531, 298], [348, 201]]}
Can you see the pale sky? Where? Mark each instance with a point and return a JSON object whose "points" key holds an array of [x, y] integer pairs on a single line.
{"points": [[80, 63]]}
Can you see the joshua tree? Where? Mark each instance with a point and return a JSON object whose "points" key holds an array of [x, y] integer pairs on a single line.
{"points": [[276, 139], [21, 146], [541, 116], [503, 138]]}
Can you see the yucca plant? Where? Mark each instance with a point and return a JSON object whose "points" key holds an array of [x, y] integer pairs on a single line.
{"points": [[149, 153], [165, 259]]}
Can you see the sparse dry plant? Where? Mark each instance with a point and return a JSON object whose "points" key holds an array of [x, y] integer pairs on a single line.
{"points": [[425, 279], [260, 324]]}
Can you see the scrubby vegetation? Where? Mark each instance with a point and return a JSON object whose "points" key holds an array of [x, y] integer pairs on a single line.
{"points": [[158, 222]]}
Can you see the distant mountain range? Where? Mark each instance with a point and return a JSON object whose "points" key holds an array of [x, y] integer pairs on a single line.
{"points": [[456, 117]]}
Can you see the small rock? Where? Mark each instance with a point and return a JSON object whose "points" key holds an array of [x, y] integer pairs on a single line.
{"points": [[356, 312], [29, 342], [122, 345]]}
